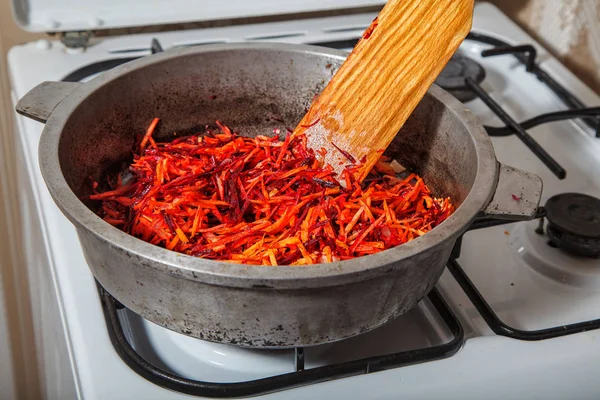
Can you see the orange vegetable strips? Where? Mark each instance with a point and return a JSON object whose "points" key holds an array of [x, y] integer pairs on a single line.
{"points": [[262, 201]]}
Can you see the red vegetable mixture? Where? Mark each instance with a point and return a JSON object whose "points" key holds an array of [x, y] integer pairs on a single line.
{"points": [[263, 201]]}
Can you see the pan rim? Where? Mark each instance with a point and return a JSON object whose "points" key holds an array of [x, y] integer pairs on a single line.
{"points": [[224, 273]]}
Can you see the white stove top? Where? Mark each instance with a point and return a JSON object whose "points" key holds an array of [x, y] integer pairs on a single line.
{"points": [[77, 353]]}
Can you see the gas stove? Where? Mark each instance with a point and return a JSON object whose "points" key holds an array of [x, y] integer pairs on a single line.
{"points": [[515, 315]]}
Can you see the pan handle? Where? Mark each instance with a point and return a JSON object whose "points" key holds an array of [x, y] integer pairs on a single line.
{"points": [[517, 195], [40, 101]]}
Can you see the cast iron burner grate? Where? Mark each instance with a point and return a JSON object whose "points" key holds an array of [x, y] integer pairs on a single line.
{"points": [[574, 223], [299, 377], [452, 77], [486, 311]]}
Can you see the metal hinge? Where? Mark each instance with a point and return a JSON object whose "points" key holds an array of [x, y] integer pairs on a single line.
{"points": [[76, 40]]}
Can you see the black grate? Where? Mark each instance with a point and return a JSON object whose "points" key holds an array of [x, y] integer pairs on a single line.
{"points": [[544, 118], [486, 311], [290, 380], [527, 55], [499, 327], [534, 146]]}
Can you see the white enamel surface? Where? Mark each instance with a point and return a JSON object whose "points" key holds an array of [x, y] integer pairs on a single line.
{"points": [[77, 15], [81, 362], [556, 265], [58, 61]]}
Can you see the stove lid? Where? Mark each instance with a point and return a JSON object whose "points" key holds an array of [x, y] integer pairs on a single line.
{"points": [[82, 15]]}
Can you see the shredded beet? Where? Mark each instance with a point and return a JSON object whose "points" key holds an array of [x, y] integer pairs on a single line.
{"points": [[263, 201], [345, 154]]}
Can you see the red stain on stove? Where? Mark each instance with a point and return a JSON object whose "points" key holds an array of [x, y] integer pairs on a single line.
{"points": [[515, 197]]}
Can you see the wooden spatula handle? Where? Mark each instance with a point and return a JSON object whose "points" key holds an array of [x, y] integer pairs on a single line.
{"points": [[384, 78]]}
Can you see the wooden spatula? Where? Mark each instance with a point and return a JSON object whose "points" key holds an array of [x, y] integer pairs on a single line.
{"points": [[389, 71]]}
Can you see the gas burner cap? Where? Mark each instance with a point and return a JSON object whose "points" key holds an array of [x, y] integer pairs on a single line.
{"points": [[575, 213], [574, 223], [452, 77]]}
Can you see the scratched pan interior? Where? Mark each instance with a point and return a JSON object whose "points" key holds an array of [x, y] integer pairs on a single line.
{"points": [[263, 91]]}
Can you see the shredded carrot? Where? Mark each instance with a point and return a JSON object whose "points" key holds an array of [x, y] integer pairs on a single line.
{"points": [[262, 201], [148, 135], [369, 31]]}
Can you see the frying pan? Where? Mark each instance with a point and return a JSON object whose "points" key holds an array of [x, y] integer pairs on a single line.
{"points": [[90, 128]]}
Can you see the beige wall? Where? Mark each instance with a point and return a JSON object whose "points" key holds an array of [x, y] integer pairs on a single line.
{"points": [[579, 55], [15, 315]]}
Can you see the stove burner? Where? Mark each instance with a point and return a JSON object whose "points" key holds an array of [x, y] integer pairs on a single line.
{"points": [[574, 223], [452, 77]]}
